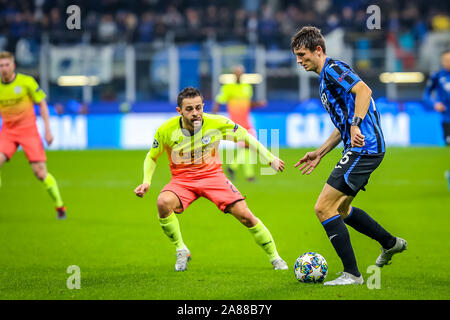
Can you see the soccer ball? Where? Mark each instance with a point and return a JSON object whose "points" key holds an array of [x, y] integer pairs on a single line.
{"points": [[311, 267]]}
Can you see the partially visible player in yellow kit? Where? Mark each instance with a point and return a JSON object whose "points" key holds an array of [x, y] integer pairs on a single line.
{"points": [[191, 141], [18, 94], [238, 98]]}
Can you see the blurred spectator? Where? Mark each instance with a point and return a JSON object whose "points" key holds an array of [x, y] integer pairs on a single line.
{"points": [[268, 27], [55, 20], [347, 17], [173, 18], [225, 22], [130, 24], [146, 26], [272, 22], [240, 23], [107, 28], [211, 21], [193, 25]]}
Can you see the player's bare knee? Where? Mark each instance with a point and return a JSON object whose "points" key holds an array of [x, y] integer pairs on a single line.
{"points": [[40, 173], [3, 159], [241, 211], [323, 212], [165, 204], [319, 209], [247, 221]]}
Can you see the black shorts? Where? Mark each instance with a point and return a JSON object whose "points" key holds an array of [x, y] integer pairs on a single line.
{"points": [[446, 129], [352, 172]]}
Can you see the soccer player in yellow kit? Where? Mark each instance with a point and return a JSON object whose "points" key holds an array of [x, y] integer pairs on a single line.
{"points": [[238, 97], [18, 93], [191, 141]]}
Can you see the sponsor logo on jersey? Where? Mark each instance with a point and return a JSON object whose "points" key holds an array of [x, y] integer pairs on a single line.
{"points": [[17, 89]]}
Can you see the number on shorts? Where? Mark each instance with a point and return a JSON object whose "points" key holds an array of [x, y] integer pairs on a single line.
{"points": [[345, 158]]}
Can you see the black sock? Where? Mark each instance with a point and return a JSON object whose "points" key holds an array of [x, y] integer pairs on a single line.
{"points": [[338, 234], [362, 222]]}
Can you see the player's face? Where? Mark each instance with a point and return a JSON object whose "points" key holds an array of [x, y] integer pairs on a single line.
{"points": [[192, 111], [307, 59], [6, 68], [446, 61]]}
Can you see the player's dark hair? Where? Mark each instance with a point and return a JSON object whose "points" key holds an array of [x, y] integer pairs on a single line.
{"points": [[445, 52], [308, 37], [189, 92]]}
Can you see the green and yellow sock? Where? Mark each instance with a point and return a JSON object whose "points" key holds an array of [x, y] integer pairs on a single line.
{"points": [[171, 228], [264, 239], [53, 190]]}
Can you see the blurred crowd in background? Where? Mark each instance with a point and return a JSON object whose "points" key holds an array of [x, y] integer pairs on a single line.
{"points": [[410, 38], [271, 22]]}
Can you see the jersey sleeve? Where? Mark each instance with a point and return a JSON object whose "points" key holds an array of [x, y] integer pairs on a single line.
{"points": [[36, 93], [222, 97], [150, 160], [158, 145], [342, 76]]}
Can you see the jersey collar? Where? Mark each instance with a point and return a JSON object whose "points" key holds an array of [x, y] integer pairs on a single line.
{"points": [[186, 132], [327, 60]]}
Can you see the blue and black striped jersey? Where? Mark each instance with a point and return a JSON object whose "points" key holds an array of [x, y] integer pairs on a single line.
{"points": [[336, 80]]}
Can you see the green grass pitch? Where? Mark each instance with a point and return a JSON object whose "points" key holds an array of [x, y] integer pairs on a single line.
{"points": [[115, 238]]}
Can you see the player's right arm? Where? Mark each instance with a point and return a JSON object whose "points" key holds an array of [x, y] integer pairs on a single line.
{"points": [[38, 96], [311, 159], [150, 164]]}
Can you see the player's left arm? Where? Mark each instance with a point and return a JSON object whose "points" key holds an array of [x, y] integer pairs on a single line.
{"points": [[38, 96], [152, 156], [46, 118], [363, 94], [234, 132]]}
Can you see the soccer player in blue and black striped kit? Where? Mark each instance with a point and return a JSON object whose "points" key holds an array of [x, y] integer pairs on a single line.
{"points": [[440, 83], [352, 110]]}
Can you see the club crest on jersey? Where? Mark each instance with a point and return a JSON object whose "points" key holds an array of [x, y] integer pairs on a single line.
{"points": [[206, 139], [341, 77], [17, 89], [155, 143]]}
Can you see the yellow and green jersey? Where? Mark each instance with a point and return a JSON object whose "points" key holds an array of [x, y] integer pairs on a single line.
{"points": [[17, 100], [238, 97], [197, 156]]}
